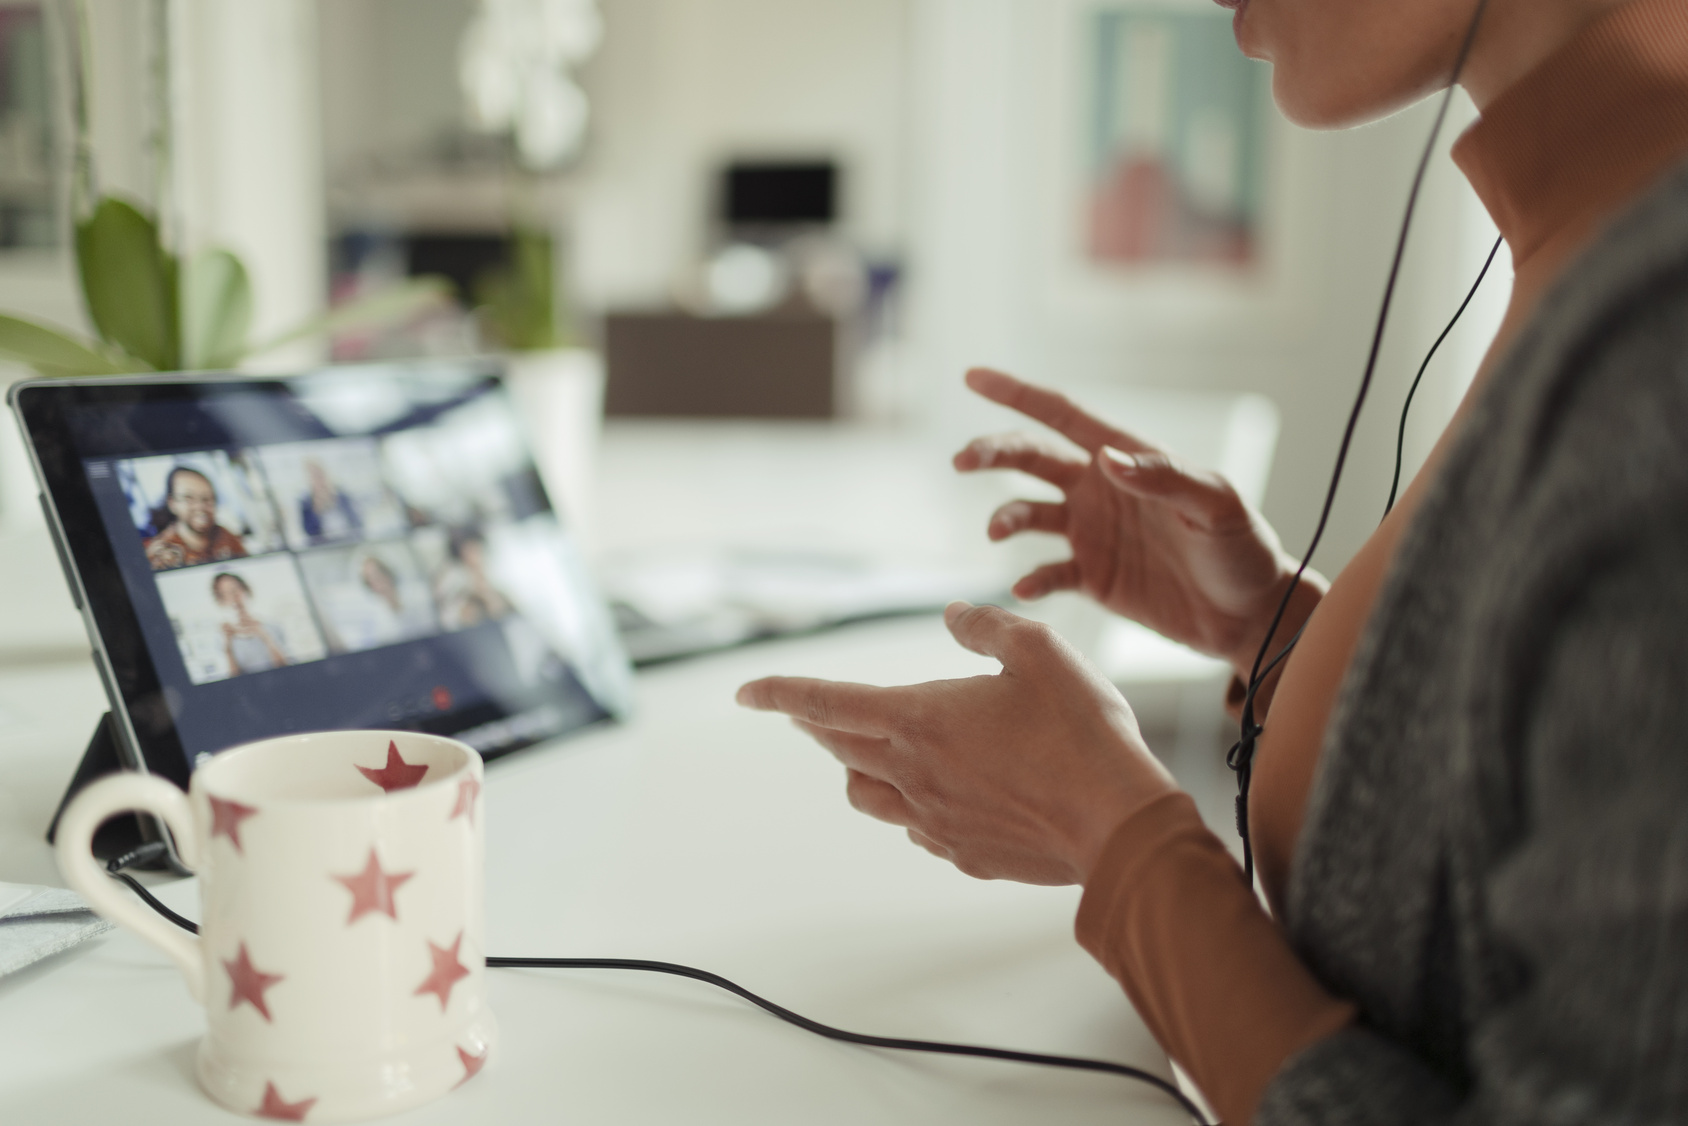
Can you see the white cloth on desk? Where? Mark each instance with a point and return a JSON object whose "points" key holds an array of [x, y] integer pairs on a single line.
{"points": [[38, 922]]}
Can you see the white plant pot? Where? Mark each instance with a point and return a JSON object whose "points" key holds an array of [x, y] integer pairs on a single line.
{"points": [[560, 395]]}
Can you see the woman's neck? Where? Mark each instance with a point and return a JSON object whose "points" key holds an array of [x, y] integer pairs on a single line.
{"points": [[1519, 35]]}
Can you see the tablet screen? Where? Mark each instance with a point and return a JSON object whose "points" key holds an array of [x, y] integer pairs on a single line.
{"points": [[366, 547]]}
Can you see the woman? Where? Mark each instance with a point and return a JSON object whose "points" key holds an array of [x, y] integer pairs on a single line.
{"points": [[188, 534], [326, 512], [392, 611], [1470, 804], [249, 644]]}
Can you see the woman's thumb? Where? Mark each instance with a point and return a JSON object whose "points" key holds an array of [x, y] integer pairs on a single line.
{"points": [[1147, 474], [1155, 476]]}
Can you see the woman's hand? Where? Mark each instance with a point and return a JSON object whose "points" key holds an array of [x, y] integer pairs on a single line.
{"points": [[1173, 548], [262, 633], [1021, 776]]}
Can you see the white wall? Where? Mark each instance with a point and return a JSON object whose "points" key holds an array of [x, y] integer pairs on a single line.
{"points": [[679, 85], [389, 70]]}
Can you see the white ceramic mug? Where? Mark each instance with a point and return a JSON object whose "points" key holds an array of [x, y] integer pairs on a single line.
{"points": [[341, 956]]}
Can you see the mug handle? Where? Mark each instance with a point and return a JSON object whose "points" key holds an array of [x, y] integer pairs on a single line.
{"points": [[126, 793]]}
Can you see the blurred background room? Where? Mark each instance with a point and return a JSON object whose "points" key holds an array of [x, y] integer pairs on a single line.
{"points": [[741, 252]]}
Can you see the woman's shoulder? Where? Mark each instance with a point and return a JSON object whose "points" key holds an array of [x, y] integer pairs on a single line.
{"points": [[1590, 404], [1641, 244], [1611, 295]]}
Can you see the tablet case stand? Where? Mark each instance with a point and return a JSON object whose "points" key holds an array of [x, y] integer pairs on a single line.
{"points": [[126, 831]]}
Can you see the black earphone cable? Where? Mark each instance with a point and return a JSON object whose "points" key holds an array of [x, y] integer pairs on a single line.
{"points": [[1240, 758], [1406, 409], [937, 1047]]}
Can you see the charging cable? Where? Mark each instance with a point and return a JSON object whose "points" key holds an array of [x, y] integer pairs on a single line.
{"points": [[155, 849]]}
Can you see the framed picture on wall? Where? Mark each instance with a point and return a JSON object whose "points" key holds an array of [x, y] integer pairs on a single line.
{"points": [[1175, 141], [1169, 195]]}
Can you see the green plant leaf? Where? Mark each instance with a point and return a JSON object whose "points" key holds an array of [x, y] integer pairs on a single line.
{"points": [[393, 305], [216, 310], [55, 353], [129, 283], [519, 300]]}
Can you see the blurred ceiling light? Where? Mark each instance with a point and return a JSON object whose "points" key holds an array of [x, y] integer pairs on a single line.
{"points": [[515, 65]]}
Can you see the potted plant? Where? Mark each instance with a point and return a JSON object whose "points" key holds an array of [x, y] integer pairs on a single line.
{"points": [[151, 308]]}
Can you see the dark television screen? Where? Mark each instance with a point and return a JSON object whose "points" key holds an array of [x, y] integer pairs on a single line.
{"points": [[782, 193]]}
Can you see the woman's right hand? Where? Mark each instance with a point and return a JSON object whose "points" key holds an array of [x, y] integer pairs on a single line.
{"points": [[1152, 540]]}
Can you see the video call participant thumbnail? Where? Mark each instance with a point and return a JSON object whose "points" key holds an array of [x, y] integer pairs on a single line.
{"points": [[331, 491], [240, 617], [251, 645], [367, 597], [327, 513], [466, 592], [189, 534]]}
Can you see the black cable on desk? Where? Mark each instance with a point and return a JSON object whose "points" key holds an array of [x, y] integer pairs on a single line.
{"points": [[137, 856], [938, 1047], [935, 1046]]}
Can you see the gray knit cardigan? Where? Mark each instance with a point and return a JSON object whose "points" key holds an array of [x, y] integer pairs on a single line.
{"points": [[1494, 863]]}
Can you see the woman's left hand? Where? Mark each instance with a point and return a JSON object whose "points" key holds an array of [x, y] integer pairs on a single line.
{"points": [[1021, 776]]}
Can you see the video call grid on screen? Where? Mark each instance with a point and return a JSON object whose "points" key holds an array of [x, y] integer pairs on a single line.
{"points": [[411, 575]]}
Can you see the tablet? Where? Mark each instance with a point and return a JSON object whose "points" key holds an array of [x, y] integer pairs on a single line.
{"points": [[363, 547]]}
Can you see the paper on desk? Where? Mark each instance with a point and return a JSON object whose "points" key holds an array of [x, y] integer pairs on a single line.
{"points": [[13, 894], [38, 922], [670, 604]]}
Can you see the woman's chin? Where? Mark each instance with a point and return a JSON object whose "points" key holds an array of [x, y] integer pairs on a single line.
{"points": [[1307, 111], [1327, 108]]}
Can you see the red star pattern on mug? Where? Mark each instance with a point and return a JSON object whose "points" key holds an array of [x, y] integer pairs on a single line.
{"points": [[274, 1106], [226, 817], [397, 774], [467, 791], [472, 1064], [372, 890], [248, 983], [447, 971]]}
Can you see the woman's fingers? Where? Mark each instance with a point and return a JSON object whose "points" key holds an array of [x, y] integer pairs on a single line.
{"points": [[1204, 499], [858, 708], [864, 753], [1027, 516], [1052, 409], [877, 799], [931, 845], [1048, 579], [1039, 457]]}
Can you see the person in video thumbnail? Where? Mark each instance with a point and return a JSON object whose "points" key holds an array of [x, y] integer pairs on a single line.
{"points": [[393, 617], [188, 532], [326, 512], [465, 591], [252, 645]]}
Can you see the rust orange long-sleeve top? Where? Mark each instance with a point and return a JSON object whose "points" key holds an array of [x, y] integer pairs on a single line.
{"points": [[1166, 909]]}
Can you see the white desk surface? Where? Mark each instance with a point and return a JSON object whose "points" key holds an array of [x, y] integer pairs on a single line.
{"points": [[697, 833]]}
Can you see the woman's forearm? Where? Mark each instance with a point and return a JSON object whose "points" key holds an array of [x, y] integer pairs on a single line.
{"points": [[1168, 914]]}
